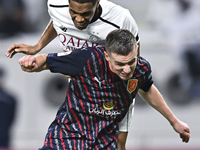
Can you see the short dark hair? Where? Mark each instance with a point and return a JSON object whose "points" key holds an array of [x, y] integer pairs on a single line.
{"points": [[120, 41], [85, 1]]}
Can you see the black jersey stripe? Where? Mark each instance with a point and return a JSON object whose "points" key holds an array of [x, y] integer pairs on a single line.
{"points": [[137, 37], [58, 6], [109, 22]]}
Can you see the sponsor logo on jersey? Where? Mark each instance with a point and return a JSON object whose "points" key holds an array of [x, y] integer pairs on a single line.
{"points": [[132, 84], [71, 43], [106, 112], [100, 82], [64, 53], [108, 105], [64, 29]]}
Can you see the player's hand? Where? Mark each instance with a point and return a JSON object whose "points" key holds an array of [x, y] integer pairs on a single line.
{"points": [[183, 130], [21, 48], [28, 63]]}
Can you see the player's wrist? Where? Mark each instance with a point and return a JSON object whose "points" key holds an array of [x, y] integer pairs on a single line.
{"points": [[173, 121], [37, 48]]}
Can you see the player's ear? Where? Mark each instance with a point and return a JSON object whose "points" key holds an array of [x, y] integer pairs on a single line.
{"points": [[98, 3], [138, 49], [106, 56]]}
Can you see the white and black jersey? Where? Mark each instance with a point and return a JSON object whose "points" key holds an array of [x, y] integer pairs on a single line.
{"points": [[111, 17]]}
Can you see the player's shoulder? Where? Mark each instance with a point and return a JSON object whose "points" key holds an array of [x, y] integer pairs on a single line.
{"points": [[89, 55], [90, 52], [57, 2], [113, 9], [142, 62], [87, 50]]}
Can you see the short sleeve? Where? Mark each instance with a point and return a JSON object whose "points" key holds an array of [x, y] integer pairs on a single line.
{"points": [[68, 63]]}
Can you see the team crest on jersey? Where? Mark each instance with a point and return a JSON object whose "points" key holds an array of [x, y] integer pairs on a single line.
{"points": [[108, 105], [64, 53], [132, 84]]}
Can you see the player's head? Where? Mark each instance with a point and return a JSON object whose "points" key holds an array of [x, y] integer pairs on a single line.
{"points": [[121, 53], [82, 12]]}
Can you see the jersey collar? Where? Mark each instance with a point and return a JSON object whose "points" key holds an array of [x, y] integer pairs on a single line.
{"points": [[97, 16]]}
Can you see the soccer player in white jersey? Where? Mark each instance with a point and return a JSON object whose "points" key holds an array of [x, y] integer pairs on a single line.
{"points": [[83, 23]]}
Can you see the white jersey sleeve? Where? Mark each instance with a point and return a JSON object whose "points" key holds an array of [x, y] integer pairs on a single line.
{"points": [[130, 24], [119, 16]]}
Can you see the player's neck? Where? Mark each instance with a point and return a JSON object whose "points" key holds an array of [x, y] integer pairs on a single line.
{"points": [[97, 14]]}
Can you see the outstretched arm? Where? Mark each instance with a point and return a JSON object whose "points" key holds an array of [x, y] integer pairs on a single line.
{"points": [[33, 63], [48, 35], [155, 99]]}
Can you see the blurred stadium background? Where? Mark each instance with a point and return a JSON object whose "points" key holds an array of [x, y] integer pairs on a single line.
{"points": [[166, 28]]}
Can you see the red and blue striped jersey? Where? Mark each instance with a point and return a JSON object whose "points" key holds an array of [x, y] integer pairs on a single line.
{"points": [[96, 101]]}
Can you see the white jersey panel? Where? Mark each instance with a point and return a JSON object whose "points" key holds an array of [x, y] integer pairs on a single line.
{"points": [[113, 16]]}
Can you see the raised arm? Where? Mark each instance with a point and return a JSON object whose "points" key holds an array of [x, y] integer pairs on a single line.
{"points": [[155, 99], [48, 35], [33, 63]]}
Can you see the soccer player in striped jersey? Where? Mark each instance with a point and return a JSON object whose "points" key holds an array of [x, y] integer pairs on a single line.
{"points": [[103, 86], [83, 23]]}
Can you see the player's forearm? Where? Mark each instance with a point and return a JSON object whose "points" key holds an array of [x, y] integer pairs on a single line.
{"points": [[163, 108], [155, 99], [48, 35]]}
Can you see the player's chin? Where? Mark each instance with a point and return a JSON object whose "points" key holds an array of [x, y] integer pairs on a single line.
{"points": [[125, 77], [81, 26]]}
